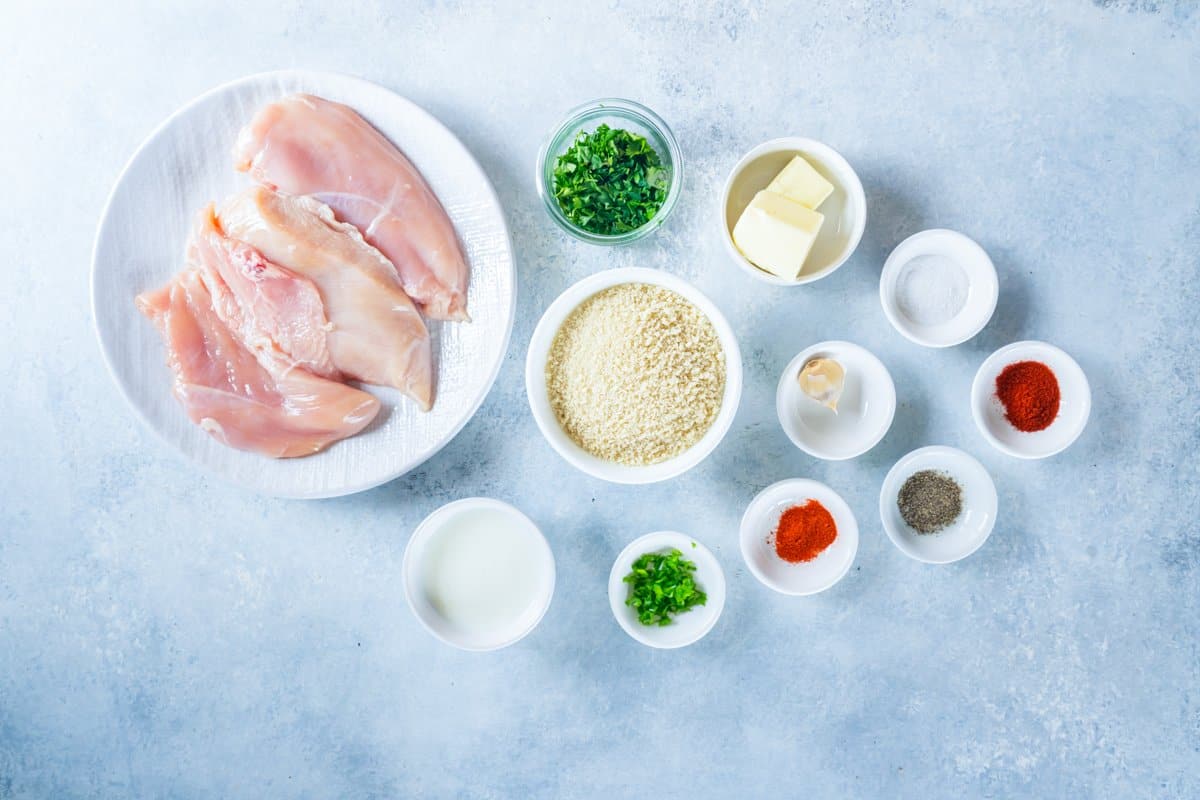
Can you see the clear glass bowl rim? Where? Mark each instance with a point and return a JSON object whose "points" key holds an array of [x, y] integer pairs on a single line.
{"points": [[571, 123]]}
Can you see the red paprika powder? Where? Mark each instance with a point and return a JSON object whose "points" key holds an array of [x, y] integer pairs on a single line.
{"points": [[1029, 393], [804, 532]]}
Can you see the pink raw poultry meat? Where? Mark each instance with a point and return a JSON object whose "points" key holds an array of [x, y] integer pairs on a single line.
{"points": [[261, 403], [269, 307], [309, 146], [375, 333]]}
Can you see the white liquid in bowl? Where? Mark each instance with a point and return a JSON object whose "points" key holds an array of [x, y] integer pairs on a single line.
{"points": [[483, 571]]}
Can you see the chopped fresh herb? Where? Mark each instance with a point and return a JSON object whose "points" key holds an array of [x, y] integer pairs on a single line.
{"points": [[610, 181], [660, 585]]}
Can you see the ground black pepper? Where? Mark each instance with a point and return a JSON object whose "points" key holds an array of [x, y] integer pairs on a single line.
{"points": [[929, 501]]}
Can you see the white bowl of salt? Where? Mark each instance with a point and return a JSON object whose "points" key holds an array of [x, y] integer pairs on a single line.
{"points": [[938, 288]]}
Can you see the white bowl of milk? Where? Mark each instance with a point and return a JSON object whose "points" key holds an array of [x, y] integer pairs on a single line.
{"points": [[478, 574]]}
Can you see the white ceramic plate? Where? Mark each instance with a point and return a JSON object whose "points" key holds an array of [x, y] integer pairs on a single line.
{"points": [[983, 287], [864, 414], [969, 531], [845, 210], [433, 620], [186, 163], [1074, 408], [762, 518], [539, 401], [687, 627]]}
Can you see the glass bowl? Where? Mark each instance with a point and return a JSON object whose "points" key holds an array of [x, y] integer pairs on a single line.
{"points": [[616, 113]]}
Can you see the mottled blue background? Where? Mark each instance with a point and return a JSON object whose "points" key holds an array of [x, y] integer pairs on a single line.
{"points": [[162, 634]]}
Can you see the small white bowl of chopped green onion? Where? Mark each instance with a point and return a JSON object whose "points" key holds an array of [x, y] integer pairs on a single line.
{"points": [[610, 172], [666, 590], [633, 375]]}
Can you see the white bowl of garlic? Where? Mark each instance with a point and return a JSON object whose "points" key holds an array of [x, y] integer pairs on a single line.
{"points": [[844, 407], [792, 211]]}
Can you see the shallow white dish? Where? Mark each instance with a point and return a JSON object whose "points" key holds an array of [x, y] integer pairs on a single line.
{"points": [[687, 627], [968, 533], [983, 287], [864, 414], [762, 518], [845, 210], [1074, 408], [539, 401], [425, 610], [186, 163]]}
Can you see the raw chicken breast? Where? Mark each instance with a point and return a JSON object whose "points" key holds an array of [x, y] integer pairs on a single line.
{"points": [[267, 306], [305, 145], [260, 403], [375, 333]]}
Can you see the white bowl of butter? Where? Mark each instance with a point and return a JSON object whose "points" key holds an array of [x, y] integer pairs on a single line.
{"points": [[806, 216]]}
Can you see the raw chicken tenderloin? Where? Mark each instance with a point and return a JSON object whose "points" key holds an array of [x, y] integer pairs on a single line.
{"points": [[376, 334], [257, 402], [269, 308], [309, 146]]}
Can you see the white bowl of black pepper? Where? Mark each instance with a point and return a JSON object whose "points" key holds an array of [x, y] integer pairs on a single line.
{"points": [[938, 505]]}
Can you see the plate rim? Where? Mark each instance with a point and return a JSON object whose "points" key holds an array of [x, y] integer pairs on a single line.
{"points": [[105, 220]]}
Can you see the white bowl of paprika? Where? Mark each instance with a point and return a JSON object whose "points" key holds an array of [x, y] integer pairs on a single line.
{"points": [[799, 537], [1030, 400]]}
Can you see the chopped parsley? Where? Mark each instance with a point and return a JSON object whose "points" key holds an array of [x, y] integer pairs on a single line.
{"points": [[610, 181], [661, 584]]}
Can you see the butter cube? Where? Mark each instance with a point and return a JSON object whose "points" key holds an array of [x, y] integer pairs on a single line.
{"points": [[776, 233], [800, 182]]}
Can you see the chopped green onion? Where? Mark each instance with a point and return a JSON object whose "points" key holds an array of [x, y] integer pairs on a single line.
{"points": [[661, 584]]}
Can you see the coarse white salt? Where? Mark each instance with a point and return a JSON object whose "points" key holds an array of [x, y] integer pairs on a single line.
{"points": [[931, 289]]}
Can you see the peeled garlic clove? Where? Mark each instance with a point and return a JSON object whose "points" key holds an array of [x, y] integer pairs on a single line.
{"points": [[822, 379]]}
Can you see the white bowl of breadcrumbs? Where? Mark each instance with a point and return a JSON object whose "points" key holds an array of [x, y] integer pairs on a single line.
{"points": [[633, 375]]}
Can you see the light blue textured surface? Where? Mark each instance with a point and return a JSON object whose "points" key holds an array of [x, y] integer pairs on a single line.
{"points": [[164, 635]]}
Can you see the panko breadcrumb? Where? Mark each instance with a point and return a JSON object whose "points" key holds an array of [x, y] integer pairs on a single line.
{"points": [[636, 374]]}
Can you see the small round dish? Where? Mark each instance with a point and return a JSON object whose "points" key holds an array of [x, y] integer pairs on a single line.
{"points": [[430, 610], [1074, 408], [685, 628], [845, 210], [864, 413], [978, 275], [617, 114], [972, 528], [762, 518], [539, 400]]}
